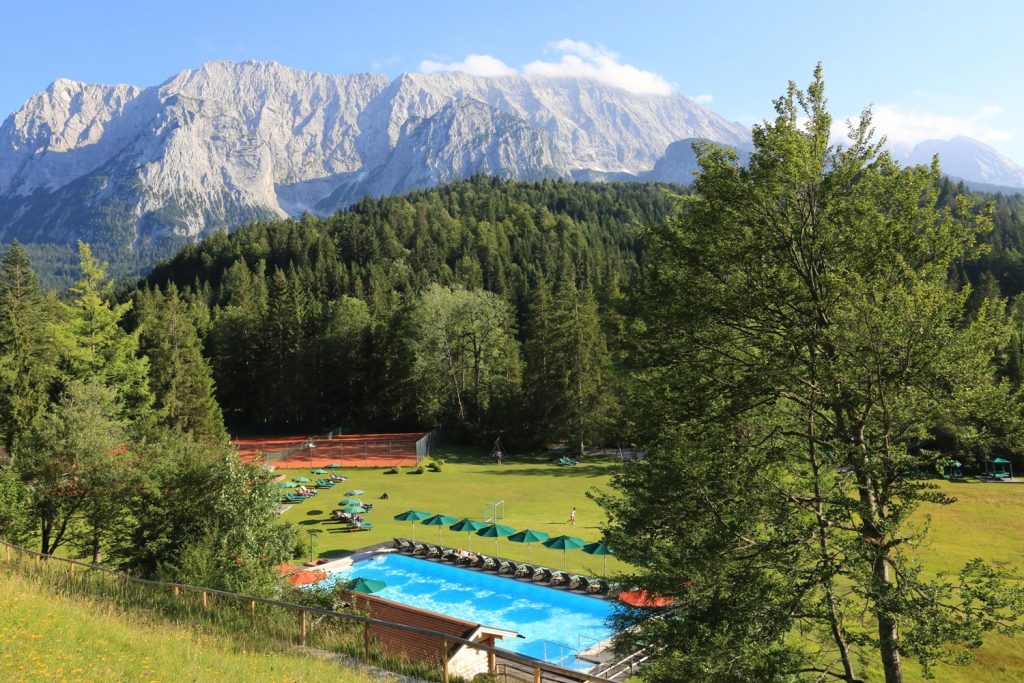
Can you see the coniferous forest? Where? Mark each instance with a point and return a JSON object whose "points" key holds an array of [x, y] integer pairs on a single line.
{"points": [[485, 306]]}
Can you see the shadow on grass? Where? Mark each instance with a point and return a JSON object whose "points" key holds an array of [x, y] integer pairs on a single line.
{"points": [[313, 513], [311, 522], [553, 471]]}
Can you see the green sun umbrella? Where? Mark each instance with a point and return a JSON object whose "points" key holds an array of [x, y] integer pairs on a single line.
{"points": [[287, 485], [495, 531], [529, 537], [440, 521], [354, 509], [469, 526], [355, 492], [333, 466], [301, 480], [599, 548], [361, 585], [319, 470], [412, 516], [564, 543], [350, 501]]}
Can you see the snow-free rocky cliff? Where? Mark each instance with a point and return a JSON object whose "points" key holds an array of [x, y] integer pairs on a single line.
{"points": [[233, 142]]}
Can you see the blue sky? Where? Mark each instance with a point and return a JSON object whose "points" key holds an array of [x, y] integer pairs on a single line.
{"points": [[930, 68]]}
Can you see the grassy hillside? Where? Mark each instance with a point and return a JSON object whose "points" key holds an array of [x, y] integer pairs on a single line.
{"points": [[45, 637]]}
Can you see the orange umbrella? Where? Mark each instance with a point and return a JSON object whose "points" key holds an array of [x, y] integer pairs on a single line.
{"points": [[306, 577], [641, 598], [285, 568]]}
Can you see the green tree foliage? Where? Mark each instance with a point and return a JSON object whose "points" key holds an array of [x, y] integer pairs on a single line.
{"points": [[801, 341], [581, 365], [28, 359], [179, 376], [95, 346], [16, 524], [69, 463], [273, 291], [241, 539], [466, 353]]}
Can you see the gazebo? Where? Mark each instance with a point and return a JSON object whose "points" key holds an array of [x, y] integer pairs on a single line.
{"points": [[953, 470], [999, 468]]}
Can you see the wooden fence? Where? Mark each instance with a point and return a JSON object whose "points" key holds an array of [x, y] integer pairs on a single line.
{"points": [[267, 620]]}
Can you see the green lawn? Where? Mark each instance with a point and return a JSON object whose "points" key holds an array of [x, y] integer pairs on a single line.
{"points": [[537, 493], [987, 522], [47, 637]]}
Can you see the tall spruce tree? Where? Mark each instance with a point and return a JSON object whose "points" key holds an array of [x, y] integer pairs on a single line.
{"points": [[179, 376], [28, 358], [801, 342], [581, 365], [94, 346]]}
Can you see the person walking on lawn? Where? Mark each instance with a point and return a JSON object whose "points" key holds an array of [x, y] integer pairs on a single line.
{"points": [[572, 517]]}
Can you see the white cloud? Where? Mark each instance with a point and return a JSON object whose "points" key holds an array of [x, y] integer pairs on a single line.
{"points": [[703, 99], [583, 60], [579, 60], [902, 127], [475, 65]]}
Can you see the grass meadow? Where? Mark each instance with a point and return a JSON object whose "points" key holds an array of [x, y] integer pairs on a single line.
{"points": [[47, 637]]}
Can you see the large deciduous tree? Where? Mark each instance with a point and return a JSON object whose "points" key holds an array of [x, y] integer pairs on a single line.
{"points": [[466, 354], [802, 343]]}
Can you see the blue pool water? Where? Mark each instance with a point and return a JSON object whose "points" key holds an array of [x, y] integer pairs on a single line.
{"points": [[554, 622]]}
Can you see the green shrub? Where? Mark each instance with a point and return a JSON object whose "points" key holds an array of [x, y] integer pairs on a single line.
{"points": [[417, 470], [434, 465], [393, 470]]}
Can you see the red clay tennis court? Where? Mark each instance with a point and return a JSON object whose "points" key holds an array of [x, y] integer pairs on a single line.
{"points": [[349, 450]]}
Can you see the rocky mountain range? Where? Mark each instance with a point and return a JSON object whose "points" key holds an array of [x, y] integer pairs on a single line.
{"points": [[233, 142]]}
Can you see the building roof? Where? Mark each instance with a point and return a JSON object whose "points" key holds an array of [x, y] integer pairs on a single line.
{"points": [[417, 646]]}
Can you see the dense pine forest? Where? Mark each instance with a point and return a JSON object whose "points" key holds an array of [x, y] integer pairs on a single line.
{"points": [[486, 306]]}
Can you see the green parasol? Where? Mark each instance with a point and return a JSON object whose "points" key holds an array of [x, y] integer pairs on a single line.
{"points": [[564, 543], [468, 525], [529, 537], [439, 521], [361, 585], [412, 516], [599, 548], [495, 531]]}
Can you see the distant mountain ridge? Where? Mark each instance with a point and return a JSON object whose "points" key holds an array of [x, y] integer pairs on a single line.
{"points": [[228, 143], [233, 142]]}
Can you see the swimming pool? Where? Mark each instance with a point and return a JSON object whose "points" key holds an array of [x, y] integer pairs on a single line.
{"points": [[554, 622]]}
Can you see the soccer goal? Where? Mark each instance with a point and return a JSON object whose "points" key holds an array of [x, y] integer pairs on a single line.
{"points": [[494, 511]]}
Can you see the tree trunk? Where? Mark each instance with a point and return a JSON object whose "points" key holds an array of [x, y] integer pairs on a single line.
{"points": [[887, 630]]}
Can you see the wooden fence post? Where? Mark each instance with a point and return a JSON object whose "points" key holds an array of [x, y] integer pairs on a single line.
{"points": [[302, 628], [536, 674], [177, 591], [252, 608], [205, 604], [366, 640], [444, 660]]}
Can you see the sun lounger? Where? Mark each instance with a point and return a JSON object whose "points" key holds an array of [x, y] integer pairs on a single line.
{"points": [[582, 584], [433, 550], [485, 562], [542, 574], [599, 586], [513, 568], [504, 567], [468, 559], [403, 545], [419, 548], [558, 578], [525, 570], [574, 581]]}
